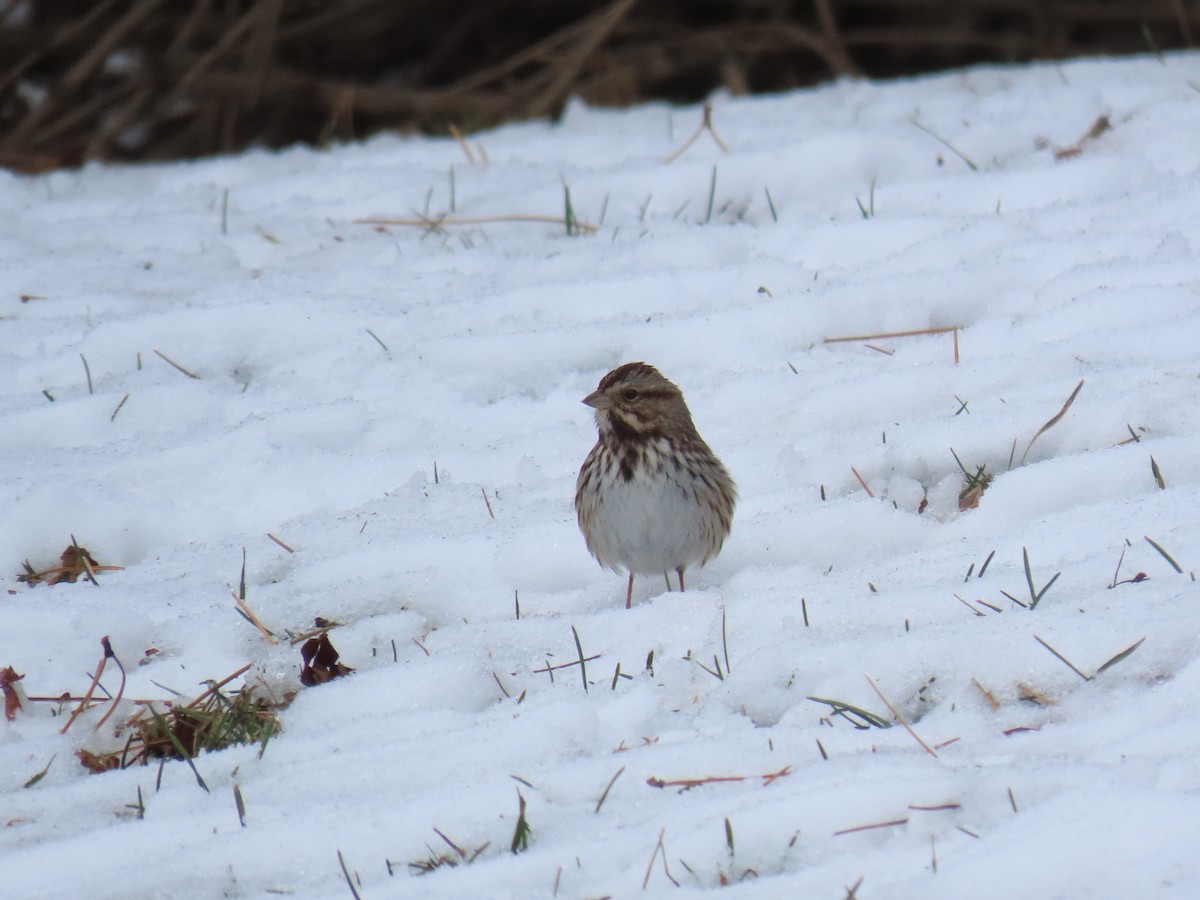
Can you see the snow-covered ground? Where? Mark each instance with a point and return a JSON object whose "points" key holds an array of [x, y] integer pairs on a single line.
{"points": [[338, 363]]}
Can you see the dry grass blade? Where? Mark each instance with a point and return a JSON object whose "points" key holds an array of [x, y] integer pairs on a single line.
{"points": [[987, 695], [899, 718], [253, 619], [889, 334], [109, 654], [1165, 555], [939, 807], [1124, 654], [113, 417], [659, 848], [426, 222], [449, 843], [1054, 421], [968, 606], [349, 881], [86, 700], [38, 776], [87, 370], [608, 787], [1099, 126], [862, 481], [686, 784], [846, 710], [705, 125], [462, 144], [280, 543], [582, 659], [891, 823], [1070, 665], [945, 143], [1157, 473], [216, 686], [239, 804], [176, 365], [885, 335]]}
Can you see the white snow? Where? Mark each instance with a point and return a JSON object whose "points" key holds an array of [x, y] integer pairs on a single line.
{"points": [[302, 425]]}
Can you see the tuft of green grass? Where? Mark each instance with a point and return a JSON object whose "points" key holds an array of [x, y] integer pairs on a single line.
{"points": [[975, 483], [851, 713], [868, 211], [1035, 595], [712, 194], [771, 206], [520, 840], [569, 212]]}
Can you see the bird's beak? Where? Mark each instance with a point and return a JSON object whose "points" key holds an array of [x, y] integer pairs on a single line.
{"points": [[598, 400]]}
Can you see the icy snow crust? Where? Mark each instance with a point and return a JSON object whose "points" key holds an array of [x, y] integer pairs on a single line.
{"points": [[302, 425]]}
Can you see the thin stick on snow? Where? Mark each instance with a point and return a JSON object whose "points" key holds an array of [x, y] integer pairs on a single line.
{"points": [[280, 543], [886, 335], [176, 365], [945, 143], [889, 334], [861, 481], [899, 718], [1054, 421], [1070, 665], [113, 417], [604, 796], [349, 880], [659, 848], [889, 824], [1165, 555], [87, 696], [582, 659], [706, 124], [440, 221], [463, 145]]}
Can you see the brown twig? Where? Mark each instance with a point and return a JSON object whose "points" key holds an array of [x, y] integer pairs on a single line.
{"points": [[254, 620], [108, 654], [217, 685], [892, 823], [685, 784], [1053, 421], [899, 718], [87, 696], [280, 543], [176, 365], [706, 124], [862, 481], [952, 329]]}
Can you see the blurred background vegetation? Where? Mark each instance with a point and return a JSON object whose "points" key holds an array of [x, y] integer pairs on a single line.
{"points": [[170, 79]]}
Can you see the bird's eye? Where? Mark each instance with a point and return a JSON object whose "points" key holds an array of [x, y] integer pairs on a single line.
{"points": [[629, 394]]}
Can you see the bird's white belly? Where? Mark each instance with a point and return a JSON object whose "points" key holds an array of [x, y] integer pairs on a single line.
{"points": [[647, 526]]}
